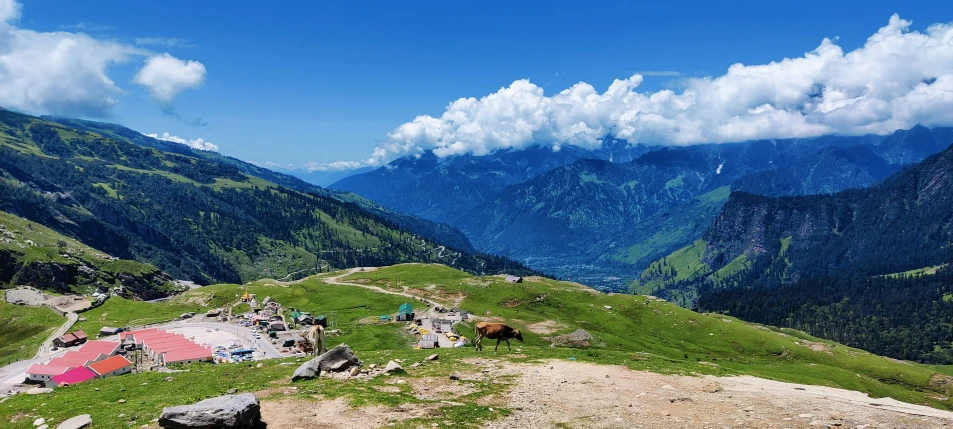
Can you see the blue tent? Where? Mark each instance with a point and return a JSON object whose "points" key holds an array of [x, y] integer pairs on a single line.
{"points": [[405, 308]]}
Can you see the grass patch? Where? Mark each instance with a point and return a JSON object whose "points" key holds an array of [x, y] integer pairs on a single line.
{"points": [[121, 312], [23, 330]]}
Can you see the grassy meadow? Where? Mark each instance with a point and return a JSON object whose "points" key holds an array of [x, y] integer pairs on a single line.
{"points": [[633, 331]]}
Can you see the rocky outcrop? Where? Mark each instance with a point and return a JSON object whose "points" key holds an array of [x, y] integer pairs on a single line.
{"points": [[340, 358], [230, 411]]}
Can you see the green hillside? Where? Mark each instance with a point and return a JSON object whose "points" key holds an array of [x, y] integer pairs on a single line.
{"points": [[865, 267], [23, 329], [197, 215], [32, 254], [637, 332]]}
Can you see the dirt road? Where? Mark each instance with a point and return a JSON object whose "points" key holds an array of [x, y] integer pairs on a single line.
{"points": [[336, 280]]}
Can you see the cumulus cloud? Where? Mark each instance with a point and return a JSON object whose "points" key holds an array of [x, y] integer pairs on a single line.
{"points": [[198, 143], [897, 79], [167, 76], [66, 73], [9, 11]]}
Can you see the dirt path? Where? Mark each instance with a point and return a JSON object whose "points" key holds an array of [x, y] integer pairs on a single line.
{"points": [[46, 349], [336, 280], [583, 395]]}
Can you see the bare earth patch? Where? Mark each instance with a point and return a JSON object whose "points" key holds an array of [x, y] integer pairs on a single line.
{"points": [[546, 327], [439, 388], [316, 414], [581, 395]]}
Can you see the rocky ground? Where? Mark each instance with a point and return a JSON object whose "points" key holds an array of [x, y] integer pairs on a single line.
{"points": [[581, 395]]}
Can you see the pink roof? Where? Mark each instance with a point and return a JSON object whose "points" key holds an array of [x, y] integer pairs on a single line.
{"points": [[75, 375], [83, 354], [173, 346], [104, 347], [178, 356], [67, 362], [38, 369]]}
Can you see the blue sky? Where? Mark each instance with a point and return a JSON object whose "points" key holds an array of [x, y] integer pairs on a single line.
{"points": [[325, 82]]}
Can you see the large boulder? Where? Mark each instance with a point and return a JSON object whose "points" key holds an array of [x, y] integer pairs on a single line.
{"points": [[78, 422], [229, 411], [340, 358]]}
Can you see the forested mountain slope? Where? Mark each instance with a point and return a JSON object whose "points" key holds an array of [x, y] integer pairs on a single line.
{"points": [[829, 263], [193, 215], [34, 255]]}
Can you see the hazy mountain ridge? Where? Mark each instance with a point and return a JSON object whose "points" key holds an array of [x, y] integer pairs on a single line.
{"points": [[580, 220]]}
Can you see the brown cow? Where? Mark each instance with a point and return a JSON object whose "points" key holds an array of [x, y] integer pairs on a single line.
{"points": [[495, 331]]}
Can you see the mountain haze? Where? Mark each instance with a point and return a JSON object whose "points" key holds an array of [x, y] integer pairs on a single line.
{"points": [[603, 216]]}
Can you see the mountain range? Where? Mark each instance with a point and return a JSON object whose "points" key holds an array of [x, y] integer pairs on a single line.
{"points": [[200, 216], [601, 217], [867, 267]]}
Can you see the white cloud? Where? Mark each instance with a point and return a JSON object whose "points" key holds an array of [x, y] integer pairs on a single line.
{"points": [[9, 11], [62, 72], [198, 143], [897, 79], [167, 76]]}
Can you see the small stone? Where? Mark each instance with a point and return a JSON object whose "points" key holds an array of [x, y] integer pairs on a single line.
{"points": [[372, 366], [78, 422], [666, 413], [747, 409], [607, 375], [167, 379], [259, 365], [667, 387], [454, 377], [38, 390], [415, 364], [39, 421], [433, 357], [97, 389], [355, 371], [836, 416], [393, 367], [806, 416], [231, 391], [122, 401]]}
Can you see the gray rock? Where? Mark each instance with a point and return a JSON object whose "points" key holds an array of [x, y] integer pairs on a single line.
{"points": [[230, 411], [39, 421], [48, 427], [433, 357], [454, 377], [77, 422], [393, 367], [38, 390], [340, 358]]}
